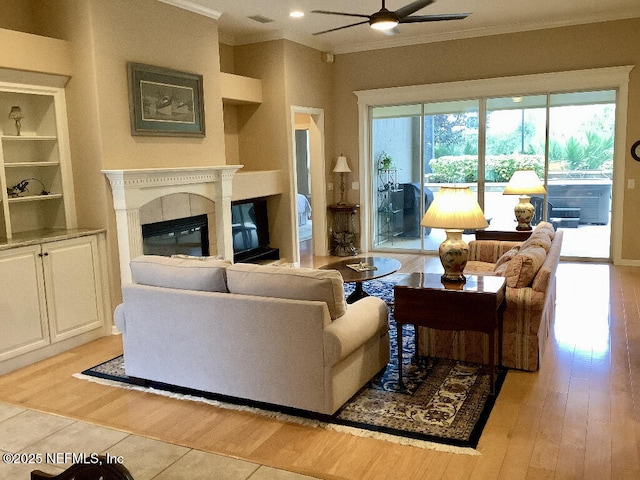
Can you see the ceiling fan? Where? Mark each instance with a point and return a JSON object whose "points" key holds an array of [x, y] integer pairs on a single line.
{"points": [[385, 19]]}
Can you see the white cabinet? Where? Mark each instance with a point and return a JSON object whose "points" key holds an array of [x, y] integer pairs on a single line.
{"points": [[73, 287], [50, 295], [23, 305], [35, 167]]}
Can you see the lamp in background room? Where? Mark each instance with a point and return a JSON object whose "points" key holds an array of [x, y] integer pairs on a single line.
{"points": [[524, 183], [454, 209], [16, 115], [342, 167]]}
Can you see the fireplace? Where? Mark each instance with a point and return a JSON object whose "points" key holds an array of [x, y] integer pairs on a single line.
{"points": [[135, 191], [187, 236]]}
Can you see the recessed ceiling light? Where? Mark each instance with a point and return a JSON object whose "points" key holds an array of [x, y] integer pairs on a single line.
{"points": [[296, 14]]}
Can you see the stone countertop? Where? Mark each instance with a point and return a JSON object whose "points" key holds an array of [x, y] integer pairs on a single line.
{"points": [[46, 236]]}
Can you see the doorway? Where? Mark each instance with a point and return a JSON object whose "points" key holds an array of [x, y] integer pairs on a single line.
{"points": [[308, 181], [303, 194]]}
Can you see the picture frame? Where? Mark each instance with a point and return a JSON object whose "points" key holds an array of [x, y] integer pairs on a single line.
{"points": [[165, 102]]}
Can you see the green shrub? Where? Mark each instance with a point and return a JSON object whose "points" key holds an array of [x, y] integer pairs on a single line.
{"points": [[499, 168]]}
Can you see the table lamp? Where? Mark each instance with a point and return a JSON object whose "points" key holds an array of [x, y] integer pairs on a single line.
{"points": [[454, 209], [342, 167], [524, 183], [16, 115]]}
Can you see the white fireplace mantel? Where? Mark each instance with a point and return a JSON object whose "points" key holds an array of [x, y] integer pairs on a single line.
{"points": [[134, 188]]}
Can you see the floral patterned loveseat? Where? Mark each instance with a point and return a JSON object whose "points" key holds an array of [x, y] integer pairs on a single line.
{"points": [[530, 269]]}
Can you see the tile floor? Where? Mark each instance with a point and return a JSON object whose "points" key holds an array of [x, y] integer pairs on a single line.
{"points": [[25, 431]]}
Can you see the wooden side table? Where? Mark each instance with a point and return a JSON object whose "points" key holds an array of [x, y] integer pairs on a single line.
{"points": [[423, 300], [343, 230], [504, 235]]}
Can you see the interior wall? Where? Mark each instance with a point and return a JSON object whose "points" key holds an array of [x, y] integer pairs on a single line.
{"points": [[571, 48], [263, 128], [292, 75], [309, 84], [18, 15]]}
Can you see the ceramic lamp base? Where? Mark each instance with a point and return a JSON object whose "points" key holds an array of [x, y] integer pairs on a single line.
{"points": [[524, 213], [454, 254]]}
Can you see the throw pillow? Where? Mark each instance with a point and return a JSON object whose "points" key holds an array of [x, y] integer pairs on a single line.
{"points": [[523, 267], [292, 283], [538, 238], [547, 228], [508, 255], [180, 273]]}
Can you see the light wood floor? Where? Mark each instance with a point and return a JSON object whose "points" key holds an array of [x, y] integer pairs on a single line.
{"points": [[577, 417]]}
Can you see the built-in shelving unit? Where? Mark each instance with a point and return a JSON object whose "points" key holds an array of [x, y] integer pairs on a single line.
{"points": [[35, 171], [54, 285]]}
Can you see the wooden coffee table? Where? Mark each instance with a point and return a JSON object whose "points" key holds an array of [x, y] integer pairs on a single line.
{"points": [[423, 300], [384, 266]]}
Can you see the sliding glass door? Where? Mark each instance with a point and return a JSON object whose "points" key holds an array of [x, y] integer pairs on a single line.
{"points": [[397, 177], [567, 138], [580, 173]]}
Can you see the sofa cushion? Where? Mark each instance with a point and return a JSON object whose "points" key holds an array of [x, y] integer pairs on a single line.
{"points": [[474, 267], [182, 273], [292, 283], [523, 267]]}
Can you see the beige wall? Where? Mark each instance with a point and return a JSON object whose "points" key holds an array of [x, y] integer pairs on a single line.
{"points": [[292, 75], [15, 16], [572, 48]]}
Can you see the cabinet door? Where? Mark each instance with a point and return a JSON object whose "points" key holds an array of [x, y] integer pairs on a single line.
{"points": [[73, 285], [23, 316]]}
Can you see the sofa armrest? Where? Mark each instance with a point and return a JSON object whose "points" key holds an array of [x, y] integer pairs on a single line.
{"points": [[489, 251], [118, 318], [364, 319]]}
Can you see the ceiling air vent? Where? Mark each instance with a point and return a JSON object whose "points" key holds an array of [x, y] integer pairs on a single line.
{"points": [[261, 19]]}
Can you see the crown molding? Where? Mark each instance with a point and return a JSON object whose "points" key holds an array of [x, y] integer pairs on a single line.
{"points": [[194, 7], [484, 32], [301, 39]]}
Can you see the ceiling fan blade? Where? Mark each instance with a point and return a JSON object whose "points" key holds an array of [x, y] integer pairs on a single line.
{"points": [[435, 18], [326, 12], [412, 8], [341, 28]]}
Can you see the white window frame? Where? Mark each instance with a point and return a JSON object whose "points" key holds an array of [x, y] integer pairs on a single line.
{"points": [[612, 78]]}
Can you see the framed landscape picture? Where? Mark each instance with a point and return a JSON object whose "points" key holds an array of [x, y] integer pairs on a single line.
{"points": [[164, 102]]}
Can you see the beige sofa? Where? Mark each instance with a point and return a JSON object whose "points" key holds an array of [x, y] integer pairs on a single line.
{"points": [[530, 269], [277, 335]]}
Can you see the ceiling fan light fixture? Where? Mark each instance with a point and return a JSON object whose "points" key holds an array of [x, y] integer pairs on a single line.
{"points": [[383, 20]]}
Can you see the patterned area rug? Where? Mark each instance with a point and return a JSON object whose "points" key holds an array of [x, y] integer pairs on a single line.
{"points": [[444, 406]]}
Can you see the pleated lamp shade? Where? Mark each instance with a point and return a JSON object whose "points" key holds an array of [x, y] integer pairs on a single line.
{"points": [[524, 182], [454, 207]]}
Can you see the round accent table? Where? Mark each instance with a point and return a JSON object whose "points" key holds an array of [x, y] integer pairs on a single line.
{"points": [[383, 266]]}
